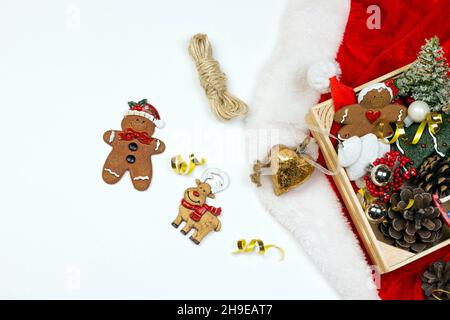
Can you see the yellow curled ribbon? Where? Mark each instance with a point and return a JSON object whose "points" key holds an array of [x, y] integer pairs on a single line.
{"points": [[408, 206], [366, 198], [244, 248], [399, 131], [433, 120], [184, 168]]}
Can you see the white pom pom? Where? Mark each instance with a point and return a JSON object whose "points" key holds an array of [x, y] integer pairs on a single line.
{"points": [[319, 74], [159, 124]]}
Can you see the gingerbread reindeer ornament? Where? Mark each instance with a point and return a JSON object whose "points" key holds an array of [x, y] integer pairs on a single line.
{"points": [[193, 209], [133, 147], [373, 113]]}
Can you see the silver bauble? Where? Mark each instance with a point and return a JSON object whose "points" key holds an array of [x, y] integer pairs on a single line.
{"points": [[376, 212], [381, 175]]}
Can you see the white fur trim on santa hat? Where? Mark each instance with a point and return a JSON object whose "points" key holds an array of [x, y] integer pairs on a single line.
{"points": [[158, 123], [377, 86]]}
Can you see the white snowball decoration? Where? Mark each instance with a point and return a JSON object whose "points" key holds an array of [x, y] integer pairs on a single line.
{"points": [[349, 151], [319, 74], [418, 111], [355, 154]]}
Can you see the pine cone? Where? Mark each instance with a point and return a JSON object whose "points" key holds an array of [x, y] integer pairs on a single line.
{"points": [[437, 277], [434, 175], [414, 229]]}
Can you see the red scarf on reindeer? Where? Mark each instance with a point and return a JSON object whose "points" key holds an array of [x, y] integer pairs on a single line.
{"points": [[199, 211]]}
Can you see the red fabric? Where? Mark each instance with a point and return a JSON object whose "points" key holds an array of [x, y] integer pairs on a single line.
{"points": [[199, 211], [366, 54], [406, 283]]}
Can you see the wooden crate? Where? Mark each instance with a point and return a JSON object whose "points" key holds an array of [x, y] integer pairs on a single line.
{"points": [[386, 257]]}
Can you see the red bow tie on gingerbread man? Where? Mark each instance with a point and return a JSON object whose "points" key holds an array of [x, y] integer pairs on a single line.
{"points": [[131, 134]]}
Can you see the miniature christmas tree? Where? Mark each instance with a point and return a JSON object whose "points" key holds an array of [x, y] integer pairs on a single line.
{"points": [[426, 146], [428, 77]]}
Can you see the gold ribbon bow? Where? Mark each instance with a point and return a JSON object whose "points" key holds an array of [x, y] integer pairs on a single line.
{"points": [[243, 247], [399, 131], [433, 120], [184, 168]]}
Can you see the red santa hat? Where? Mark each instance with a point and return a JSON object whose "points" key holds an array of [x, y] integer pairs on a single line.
{"points": [[341, 94], [146, 110]]}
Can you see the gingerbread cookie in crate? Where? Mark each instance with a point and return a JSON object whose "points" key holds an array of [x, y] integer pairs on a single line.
{"points": [[193, 209], [133, 147], [321, 117], [374, 107]]}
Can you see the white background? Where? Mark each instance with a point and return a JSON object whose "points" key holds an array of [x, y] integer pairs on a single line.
{"points": [[67, 69]]}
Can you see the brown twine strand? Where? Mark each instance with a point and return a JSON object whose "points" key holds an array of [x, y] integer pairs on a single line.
{"points": [[213, 80], [255, 177]]}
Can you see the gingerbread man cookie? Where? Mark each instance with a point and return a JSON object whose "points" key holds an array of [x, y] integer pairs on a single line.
{"points": [[373, 111], [133, 147]]}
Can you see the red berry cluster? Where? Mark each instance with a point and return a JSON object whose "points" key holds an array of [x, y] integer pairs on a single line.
{"points": [[402, 170]]}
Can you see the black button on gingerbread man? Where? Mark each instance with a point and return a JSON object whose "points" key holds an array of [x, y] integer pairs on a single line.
{"points": [[131, 158], [134, 146]]}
